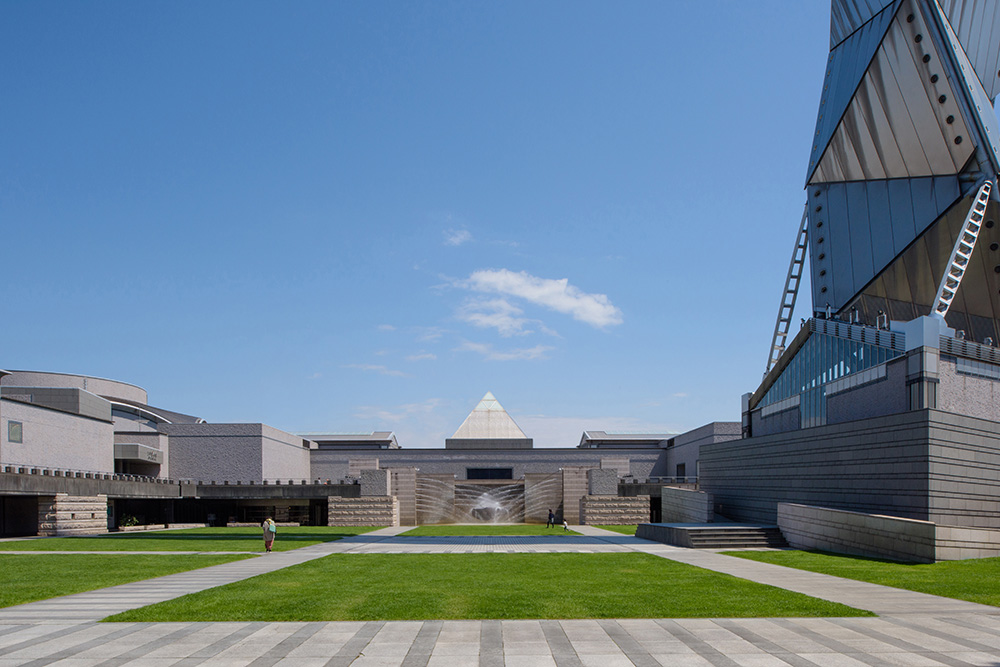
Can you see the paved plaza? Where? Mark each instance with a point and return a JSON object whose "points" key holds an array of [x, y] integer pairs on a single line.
{"points": [[912, 628]]}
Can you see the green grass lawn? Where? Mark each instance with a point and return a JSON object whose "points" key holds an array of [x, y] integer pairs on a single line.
{"points": [[248, 539], [480, 529], [976, 580], [25, 578], [624, 530], [493, 586]]}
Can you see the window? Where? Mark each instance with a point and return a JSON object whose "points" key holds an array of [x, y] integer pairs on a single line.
{"points": [[15, 431], [489, 473]]}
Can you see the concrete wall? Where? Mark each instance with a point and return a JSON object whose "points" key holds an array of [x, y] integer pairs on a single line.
{"points": [[954, 543], [99, 386], [963, 471], [435, 498], [370, 511], [404, 488], [154, 439], [55, 439], [966, 394], [602, 482], [614, 511], [886, 396], [859, 534], [877, 466], [66, 399], [574, 487], [243, 452], [63, 514], [283, 455], [542, 492], [375, 483], [686, 447], [335, 463], [685, 506]]}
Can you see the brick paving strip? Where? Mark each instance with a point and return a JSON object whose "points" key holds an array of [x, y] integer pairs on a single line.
{"points": [[913, 628]]}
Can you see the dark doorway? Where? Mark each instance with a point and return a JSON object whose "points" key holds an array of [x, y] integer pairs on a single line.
{"points": [[655, 509], [18, 516]]}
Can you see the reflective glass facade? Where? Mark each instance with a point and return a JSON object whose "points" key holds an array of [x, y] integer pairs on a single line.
{"points": [[822, 359]]}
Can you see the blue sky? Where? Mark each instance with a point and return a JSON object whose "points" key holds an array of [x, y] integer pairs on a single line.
{"points": [[363, 216]]}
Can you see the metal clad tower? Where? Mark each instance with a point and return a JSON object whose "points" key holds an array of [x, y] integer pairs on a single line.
{"points": [[905, 136]]}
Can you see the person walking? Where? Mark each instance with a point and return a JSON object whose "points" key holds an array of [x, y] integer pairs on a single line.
{"points": [[269, 531], [552, 520]]}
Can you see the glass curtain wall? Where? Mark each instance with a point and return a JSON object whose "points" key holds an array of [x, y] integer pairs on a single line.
{"points": [[822, 359]]}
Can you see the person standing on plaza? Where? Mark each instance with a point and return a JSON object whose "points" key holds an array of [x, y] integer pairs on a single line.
{"points": [[552, 520], [269, 531]]}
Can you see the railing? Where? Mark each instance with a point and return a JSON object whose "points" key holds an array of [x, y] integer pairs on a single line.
{"points": [[693, 479]]}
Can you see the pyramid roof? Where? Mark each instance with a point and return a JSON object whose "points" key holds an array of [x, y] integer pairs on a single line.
{"points": [[488, 420]]}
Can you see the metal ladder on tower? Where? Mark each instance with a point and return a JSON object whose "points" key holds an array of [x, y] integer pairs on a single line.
{"points": [[791, 292], [961, 253]]}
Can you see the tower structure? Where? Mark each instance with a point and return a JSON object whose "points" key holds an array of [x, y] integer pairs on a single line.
{"points": [[906, 136]]}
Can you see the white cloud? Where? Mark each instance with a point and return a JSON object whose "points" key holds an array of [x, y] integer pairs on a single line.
{"points": [[396, 413], [558, 295], [494, 313], [491, 354], [456, 237], [429, 333], [375, 368], [422, 356], [386, 327]]}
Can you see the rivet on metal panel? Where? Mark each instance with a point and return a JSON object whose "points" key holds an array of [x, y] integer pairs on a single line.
{"points": [[996, 269], [822, 290], [822, 272], [989, 224], [819, 208], [819, 223], [949, 120], [919, 38], [822, 255], [958, 139], [927, 58], [934, 78], [943, 99], [994, 246], [819, 240], [909, 19]]}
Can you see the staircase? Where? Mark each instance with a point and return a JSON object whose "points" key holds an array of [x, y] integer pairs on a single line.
{"points": [[737, 538]]}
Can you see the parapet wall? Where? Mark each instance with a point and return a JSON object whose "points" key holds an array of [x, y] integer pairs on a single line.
{"points": [[366, 511], [614, 511], [685, 506], [870, 535]]}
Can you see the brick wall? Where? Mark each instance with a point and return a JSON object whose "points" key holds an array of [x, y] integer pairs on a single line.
{"points": [[685, 506]]}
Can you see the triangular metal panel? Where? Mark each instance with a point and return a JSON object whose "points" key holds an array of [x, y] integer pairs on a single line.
{"points": [[905, 119], [976, 24], [846, 16], [982, 103], [844, 70], [858, 229], [914, 275]]}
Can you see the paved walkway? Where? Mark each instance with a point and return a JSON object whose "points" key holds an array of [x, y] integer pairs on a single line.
{"points": [[914, 629]]}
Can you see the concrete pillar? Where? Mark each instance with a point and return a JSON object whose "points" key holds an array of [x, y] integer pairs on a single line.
{"points": [[574, 483], [404, 487]]}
